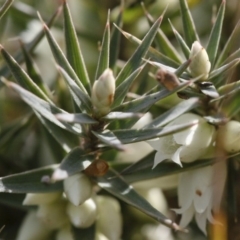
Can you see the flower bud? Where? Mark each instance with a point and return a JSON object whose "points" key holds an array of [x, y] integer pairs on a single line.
{"points": [[229, 134], [103, 92], [64, 233], [82, 216], [33, 228], [109, 220], [78, 188], [41, 198], [53, 214], [200, 64]]}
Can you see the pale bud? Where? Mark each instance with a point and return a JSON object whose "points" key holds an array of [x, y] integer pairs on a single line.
{"points": [[53, 214], [78, 188], [109, 220], [103, 92], [33, 228], [65, 233], [229, 134], [41, 198], [82, 216], [200, 64]]}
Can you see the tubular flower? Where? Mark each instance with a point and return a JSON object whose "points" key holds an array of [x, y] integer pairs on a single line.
{"points": [[188, 145], [230, 136], [200, 64], [196, 197], [103, 92]]}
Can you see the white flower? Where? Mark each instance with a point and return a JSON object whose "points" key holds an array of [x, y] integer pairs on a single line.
{"points": [[53, 214], [65, 233], [229, 134], [41, 198], [197, 195], [103, 92], [82, 216], [33, 228], [78, 188], [200, 64], [188, 145], [109, 219]]}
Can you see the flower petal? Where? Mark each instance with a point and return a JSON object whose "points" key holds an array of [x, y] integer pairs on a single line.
{"points": [[202, 200], [187, 217], [159, 157], [201, 219]]}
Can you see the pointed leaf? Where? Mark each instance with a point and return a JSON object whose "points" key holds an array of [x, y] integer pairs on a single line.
{"points": [[73, 50], [13, 200], [30, 182], [65, 139], [44, 108], [114, 184], [232, 41], [190, 33], [138, 135], [81, 99], [81, 118], [181, 42], [4, 71], [182, 68], [215, 36], [173, 113], [103, 60], [107, 137], [122, 115], [143, 103], [21, 76], [218, 72], [5, 7], [60, 57], [162, 41], [134, 62], [33, 71], [75, 161], [123, 88], [115, 38]]}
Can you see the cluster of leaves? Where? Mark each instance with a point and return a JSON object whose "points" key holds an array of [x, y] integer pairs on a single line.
{"points": [[81, 136]]}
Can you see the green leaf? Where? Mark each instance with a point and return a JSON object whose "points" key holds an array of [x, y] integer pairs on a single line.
{"points": [[232, 41], [22, 77], [190, 33], [60, 57], [81, 99], [138, 135], [103, 60], [174, 112], [162, 41], [75, 161], [30, 182], [33, 71], [181, 42], [152, 52], [218, 72], [44, 108], [215, 36], [115, 38], [84, 233], [107, 137], [123, 88], [114, 184], [66, 139], [14, 200], [143, 103], [182, 68], [4, 71], [135, 60], [73, 50], [81, 118], [5, 7], [122, 115]]}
